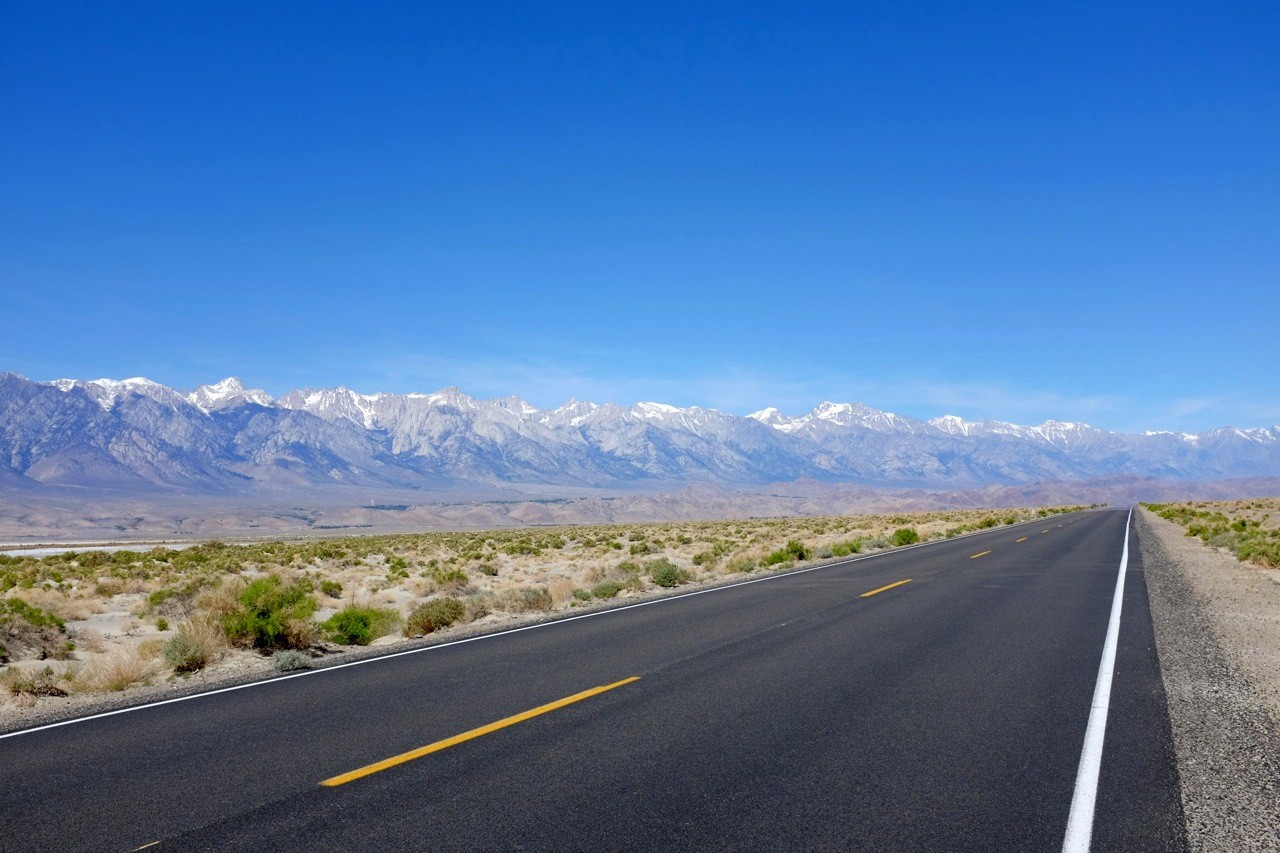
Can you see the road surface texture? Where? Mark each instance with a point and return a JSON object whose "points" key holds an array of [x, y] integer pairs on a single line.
{"points": [[946, 710]]}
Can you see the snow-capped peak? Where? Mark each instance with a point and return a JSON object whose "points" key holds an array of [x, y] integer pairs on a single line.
{"points": [[655, 410], [106, 392], [226, 394], [953, 424]]}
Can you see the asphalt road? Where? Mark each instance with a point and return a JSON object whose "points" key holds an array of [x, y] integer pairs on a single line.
{"points": [[946, 713]]}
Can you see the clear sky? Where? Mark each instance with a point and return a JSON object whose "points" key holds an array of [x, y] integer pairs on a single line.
{"points": [[991, 210]]}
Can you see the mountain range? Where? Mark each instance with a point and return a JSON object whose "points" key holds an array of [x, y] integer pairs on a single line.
{"points": [[135, 435]]}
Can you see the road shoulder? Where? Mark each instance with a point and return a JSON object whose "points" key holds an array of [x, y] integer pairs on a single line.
{"points": [[1217, 629]]}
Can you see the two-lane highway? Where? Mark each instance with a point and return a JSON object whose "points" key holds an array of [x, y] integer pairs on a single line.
{"points": [[929, 698]]}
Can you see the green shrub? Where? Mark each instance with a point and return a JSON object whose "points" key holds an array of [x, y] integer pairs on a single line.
{"points": [[666, 573], [606, 589], [450, 578], [434, 615], [844, 549], [777, 558], [162, 624], [333, 589], [582, 594], [16, 608], [489, 570], [357, 625], [905, 536], [268, 612]]}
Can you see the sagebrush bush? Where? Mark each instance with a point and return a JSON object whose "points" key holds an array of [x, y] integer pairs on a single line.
{"points": [[905, 536], [331, 588], [606, 589], [357, 625], [290, 660], [271, 614], [434, 615], [666, 573], [525, 599]]}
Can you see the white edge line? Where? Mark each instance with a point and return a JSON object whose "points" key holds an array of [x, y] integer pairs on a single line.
{"points": [[546, 624], [1080, 822]]}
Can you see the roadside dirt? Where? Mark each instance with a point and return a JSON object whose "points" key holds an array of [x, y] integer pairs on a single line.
{"points": [[1217, 627]]}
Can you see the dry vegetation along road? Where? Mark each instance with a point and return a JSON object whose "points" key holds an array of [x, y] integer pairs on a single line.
{"points": [[926, 698]]}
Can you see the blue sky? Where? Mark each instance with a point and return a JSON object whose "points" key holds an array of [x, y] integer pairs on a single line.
{"points": [[989, 210]]}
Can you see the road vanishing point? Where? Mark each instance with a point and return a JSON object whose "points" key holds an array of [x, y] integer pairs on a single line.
{"points": [[948, 696]]}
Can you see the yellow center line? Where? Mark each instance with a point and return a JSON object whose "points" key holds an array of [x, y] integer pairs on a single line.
{"points": [[377, 767], [979, 554], [1023, 539], [883, 588]]}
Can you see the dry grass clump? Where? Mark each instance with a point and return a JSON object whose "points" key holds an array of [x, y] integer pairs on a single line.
{"points": [[197, 643], [124, 668]]}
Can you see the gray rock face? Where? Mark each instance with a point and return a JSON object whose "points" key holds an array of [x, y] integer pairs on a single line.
{"points": [[138, 435]]}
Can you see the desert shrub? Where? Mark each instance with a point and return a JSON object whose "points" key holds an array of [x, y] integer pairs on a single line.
{"points": [[331, 588], [798, 549], [196, 644], [162, 624], [629, 567], [905, 536], [290, 660], [581, 594], [477, 606], [776, 558], [357, 625], [28, 631], [844, 549], [271, 614], [666, 573], [42, 682], [434, 615], [489, 570], [526, 599], [17, 609], [450, 579], [606, 589]]}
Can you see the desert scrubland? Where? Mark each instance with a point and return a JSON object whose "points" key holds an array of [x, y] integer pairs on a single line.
{"points": [[84, 624], [1249, 529]]}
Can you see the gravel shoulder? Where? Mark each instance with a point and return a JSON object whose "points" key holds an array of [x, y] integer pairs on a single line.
{"points": [[1217, 629]]}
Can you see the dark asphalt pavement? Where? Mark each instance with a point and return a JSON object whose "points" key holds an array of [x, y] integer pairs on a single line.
{"points": [[947, 713]]}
